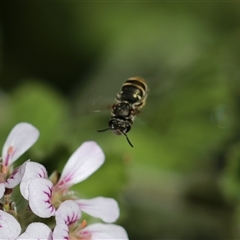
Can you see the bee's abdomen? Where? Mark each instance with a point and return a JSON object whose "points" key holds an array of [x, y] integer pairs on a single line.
{"points": [[133, 91]]}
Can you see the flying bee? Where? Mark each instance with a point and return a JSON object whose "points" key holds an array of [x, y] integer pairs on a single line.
{"points": [[128, 102]]}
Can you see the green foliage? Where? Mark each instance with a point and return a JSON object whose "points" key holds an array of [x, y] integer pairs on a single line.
{"points": [[231, 176], [40, 105]]}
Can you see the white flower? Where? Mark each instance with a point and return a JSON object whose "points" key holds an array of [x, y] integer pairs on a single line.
{"points": [[20, 139], [43, 196], [9, 226], [52, 197], [67, 226]]}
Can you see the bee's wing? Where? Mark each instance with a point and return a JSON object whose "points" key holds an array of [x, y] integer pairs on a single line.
{"points": [[93, 99]]}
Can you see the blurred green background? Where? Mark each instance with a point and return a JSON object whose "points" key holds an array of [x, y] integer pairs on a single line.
{"points": [[61, 65]]}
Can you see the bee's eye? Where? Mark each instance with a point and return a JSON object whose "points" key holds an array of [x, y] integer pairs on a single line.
{"points": [[112, 124]]}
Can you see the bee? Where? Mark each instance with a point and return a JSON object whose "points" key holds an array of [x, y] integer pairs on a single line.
{"points": [[128, 102]]}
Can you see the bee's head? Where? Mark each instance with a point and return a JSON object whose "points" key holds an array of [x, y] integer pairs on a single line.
{"points": [[119, 127]]}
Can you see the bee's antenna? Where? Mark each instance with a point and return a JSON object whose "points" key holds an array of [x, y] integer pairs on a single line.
{"points": [[128, 139], [104, 130]]}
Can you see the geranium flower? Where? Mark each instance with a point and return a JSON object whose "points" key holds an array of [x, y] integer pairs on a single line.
{"points": [[52, 197], [20, 139], [68, 227], [45, 197]]}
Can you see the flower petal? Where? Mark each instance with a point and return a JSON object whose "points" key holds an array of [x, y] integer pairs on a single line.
{"points": [[104, 231], [68, 213], [105, 208], [16, 176], [40, 192], [33, 170], [2, 189], [83, 162], [9, 226], [20, 139], [36, 231], [61, 231]]}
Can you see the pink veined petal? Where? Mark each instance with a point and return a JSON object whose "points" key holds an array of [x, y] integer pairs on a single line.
{"points": [[105, 208], [68, 212], [36, 231], [2, 189], [33, 170], [83, 162], [9, 226], [16, 176], [61, 231], [40, 192], [104, 231], [20, 139]]}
